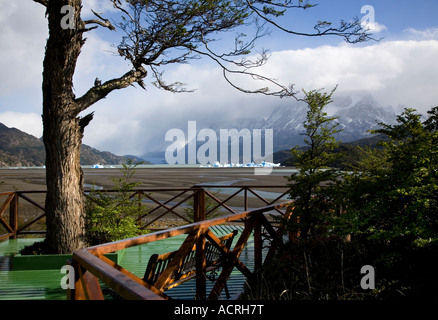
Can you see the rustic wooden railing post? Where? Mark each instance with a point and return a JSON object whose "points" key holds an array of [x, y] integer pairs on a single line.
{"points": [[77, 291], [245, 199], [13, 215], [139, 193], [86, 285], [199, 205], [199, 215], [258, 245]]}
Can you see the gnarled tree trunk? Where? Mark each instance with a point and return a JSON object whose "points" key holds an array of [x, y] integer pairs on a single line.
{"points": [[63, 132], [63, 128]]}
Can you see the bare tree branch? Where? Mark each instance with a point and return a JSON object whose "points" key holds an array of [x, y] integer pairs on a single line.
{"points": [[176, 87], [99, 92], [352, 32], [158, 33], [282, 90], [102, 22]]}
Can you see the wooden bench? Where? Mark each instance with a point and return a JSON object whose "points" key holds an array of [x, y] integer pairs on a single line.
{"points": [[213, 256]]}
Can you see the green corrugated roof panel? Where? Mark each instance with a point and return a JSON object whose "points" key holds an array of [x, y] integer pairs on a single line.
{"points": [[31, 285]]}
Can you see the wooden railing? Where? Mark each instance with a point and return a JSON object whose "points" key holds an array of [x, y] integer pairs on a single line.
{"points": [[168, 200], [11, 225], [91, 265]]}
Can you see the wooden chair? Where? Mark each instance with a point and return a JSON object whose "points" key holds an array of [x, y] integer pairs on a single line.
{"points": [[187, 271]]}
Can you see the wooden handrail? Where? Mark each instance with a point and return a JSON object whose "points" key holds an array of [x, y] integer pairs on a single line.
{"points": [[13, 231], [115, 279], [160, 235], [131, 287]]}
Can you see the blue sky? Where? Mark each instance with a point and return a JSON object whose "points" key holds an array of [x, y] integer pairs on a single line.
{"points": [[401, 69]]}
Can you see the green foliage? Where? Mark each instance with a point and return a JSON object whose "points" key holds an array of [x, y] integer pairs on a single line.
{"points": [[387, 203], [114, 216], [310, 196], [394, 193]]}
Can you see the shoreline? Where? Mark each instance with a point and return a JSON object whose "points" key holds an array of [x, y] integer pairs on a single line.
{"points": [[33, 179], [149, 176]]}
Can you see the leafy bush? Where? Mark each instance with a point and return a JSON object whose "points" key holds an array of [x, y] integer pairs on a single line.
{"points": [[114, 216], [393, 194]]}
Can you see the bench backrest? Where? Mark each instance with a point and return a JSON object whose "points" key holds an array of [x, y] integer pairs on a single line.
{"points": [[213, 256]]}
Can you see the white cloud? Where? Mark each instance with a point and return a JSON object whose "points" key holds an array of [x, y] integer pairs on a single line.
{"points": [[30, 123], [99, 6], [375, 27], [23, 37], [368, 21], [134, 120], [397, 72], [429, 33], [97, 59]]}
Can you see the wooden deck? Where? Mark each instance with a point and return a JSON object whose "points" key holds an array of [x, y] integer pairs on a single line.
{"points": [[45, 284]]}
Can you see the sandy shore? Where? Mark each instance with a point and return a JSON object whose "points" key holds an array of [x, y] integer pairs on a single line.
{"points": [[34, 179]]}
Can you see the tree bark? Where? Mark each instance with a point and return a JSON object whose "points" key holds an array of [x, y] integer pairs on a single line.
{"points": [[63, 132]]}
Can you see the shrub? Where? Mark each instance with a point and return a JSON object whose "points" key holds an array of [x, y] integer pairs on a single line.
{"points": [[111, 217]]}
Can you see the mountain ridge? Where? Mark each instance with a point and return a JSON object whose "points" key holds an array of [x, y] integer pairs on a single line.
{"points": [[20, 149], [356, 115]]}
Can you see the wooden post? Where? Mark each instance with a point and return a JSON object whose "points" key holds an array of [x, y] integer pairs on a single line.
{"points": [[139, 193], [13, 215], [245, 198], [199, 207], [87, 286], [258, 244], [233, 259], [77, 292]]}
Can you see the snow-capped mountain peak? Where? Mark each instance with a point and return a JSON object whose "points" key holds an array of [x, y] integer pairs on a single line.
{"points": [[356, 114]]}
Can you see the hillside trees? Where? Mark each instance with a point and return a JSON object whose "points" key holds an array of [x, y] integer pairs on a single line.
{"points": [[392, 194], [387, 193], [382, 211], [390, 202], [309, 184], [155, 34]]}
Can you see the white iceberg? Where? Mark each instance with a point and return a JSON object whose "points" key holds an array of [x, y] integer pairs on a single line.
{"points": [[262, 164], [269, 164]]}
